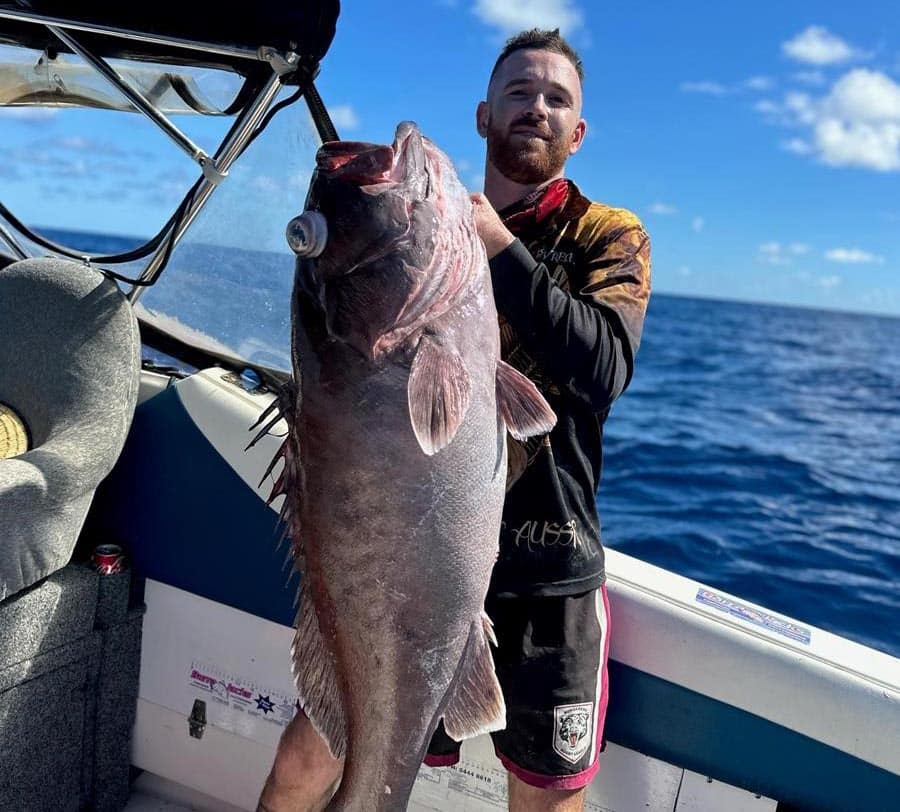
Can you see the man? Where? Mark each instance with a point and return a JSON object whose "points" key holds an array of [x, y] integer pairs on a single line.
{"points": [[571, 280]]}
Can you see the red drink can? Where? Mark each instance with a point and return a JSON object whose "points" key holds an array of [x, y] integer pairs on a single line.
{"points": [[108, 559]]}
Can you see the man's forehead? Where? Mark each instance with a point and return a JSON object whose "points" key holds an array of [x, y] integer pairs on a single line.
{"points": [[537, 64]]}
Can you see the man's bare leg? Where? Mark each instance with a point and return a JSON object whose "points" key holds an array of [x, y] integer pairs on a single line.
{"points": [[304, 774], [526, 798]]}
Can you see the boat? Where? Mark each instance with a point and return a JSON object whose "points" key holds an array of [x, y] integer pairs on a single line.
{"points": [[145, 601]]}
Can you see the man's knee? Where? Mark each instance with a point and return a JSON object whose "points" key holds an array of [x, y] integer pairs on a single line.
{"points": [[303, 753], [524, 797]]}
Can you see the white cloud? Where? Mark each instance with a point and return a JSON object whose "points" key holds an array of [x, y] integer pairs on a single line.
{"points": [[818, 46], [829, 282], [767, 107], [510, 16], [697, 224], [344, 117], [775, 253], [771, 253], [684, 271], [706, 87], [759, 83], [853, 256], [856, 124], [802, 107], [865, 95], [662, 208]]}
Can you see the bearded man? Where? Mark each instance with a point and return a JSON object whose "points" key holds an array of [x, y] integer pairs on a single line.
{"points": [[571, 281]]}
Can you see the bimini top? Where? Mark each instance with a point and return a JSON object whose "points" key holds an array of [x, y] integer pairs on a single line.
{"points": [[178, 32]]}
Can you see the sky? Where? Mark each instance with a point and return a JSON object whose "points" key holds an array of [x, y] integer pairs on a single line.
{"points": [[758, 142]]}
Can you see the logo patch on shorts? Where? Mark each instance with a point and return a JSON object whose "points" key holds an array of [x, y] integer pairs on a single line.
{"points": [[573, 730]]}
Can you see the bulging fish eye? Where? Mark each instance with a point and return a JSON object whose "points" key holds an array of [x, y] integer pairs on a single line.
{"points": [[307, 234]]}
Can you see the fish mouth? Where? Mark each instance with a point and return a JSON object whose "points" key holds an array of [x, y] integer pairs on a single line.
{"points": [[368, 165]]}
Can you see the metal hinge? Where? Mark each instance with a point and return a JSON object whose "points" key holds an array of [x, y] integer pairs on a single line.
{"points": [[197, 719]]}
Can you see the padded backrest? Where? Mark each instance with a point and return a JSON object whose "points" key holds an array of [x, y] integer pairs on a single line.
{"points": [[69, 367]]}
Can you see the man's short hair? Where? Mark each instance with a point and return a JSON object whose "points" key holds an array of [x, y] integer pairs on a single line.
{"points": [[543, 40]]}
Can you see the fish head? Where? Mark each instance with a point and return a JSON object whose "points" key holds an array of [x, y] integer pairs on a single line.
{"points": [[389, 210]]}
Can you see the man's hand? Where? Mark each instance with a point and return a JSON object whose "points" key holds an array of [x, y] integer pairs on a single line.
{"points": [[489, 226]]}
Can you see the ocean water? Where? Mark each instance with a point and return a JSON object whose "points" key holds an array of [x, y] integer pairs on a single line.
{"points": [[757, 449]]}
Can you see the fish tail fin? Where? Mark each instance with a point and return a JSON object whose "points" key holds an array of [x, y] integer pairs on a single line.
{"points": [[477, 704], [521, 405]]}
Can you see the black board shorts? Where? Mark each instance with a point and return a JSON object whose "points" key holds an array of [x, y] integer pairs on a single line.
{"points": [[551, 663]]}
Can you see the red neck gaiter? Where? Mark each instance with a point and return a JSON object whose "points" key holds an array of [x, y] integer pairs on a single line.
{"points": [[536, 207]]}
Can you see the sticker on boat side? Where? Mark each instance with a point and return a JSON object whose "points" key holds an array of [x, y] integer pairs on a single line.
{"points": [[242, 695], [754, 616]]}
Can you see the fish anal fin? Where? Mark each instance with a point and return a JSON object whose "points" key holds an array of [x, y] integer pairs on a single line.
{"points": [[316, 679], [439, 390], [477, 704], [521, 405]]}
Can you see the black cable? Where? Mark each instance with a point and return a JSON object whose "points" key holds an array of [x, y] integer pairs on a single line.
{"points": [[322, 120]]}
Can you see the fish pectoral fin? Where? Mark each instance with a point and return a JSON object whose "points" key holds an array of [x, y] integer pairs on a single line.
{"points": [[477, 704], [316, 679], [521, 405], [438, 391]]}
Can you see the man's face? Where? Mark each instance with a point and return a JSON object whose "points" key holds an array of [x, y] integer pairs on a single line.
{"points": [[532, 116]]}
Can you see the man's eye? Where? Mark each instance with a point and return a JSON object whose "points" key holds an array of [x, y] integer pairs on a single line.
{"points": [[516, 94]]}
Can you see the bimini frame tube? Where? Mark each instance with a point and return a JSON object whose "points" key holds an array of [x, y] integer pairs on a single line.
{"points": [[134, 96], [225, 157]]}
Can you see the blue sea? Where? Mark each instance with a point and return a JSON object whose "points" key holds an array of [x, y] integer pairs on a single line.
{"points": [[757, 449]]}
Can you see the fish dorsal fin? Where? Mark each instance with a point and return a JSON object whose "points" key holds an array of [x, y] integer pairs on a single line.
{"points": [[438, 393], [521, 405], [315, 675], [477, 704]]}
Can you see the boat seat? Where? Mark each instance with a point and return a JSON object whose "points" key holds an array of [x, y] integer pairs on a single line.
{"points": [[69, 372]]}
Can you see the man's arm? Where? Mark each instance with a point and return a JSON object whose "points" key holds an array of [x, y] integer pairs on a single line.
{"points": [[585, 341]]}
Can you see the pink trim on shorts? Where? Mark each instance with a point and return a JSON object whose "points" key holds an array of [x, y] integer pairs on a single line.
{"points": [[441, 761], [575, 781]]}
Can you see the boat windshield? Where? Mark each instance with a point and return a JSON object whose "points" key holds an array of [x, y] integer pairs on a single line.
{"points": [[230, 277], [78, 170]]}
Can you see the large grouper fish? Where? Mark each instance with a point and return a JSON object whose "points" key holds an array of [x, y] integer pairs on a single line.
{"points": [[395, 462]]}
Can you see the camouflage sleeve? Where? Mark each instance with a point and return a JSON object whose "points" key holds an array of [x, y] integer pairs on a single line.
{"points": [[585, 340]]}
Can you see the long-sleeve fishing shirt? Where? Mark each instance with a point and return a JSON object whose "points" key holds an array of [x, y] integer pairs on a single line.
{"points": [[572, 292]]}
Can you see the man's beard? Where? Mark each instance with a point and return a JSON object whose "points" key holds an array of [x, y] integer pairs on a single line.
{"points": [[526, 163]]}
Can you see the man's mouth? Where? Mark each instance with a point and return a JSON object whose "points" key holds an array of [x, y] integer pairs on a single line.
{"points": [[530, 130]]}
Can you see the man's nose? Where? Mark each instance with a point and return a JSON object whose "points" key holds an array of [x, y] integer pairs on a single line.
{"points": [[537, 106]]}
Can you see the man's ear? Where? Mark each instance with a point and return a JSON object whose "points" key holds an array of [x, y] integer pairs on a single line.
{"points": [[578, 136], [481, 119]]}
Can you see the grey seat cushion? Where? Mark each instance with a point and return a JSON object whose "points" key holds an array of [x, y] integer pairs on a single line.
{"points": [[69, 366]]}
